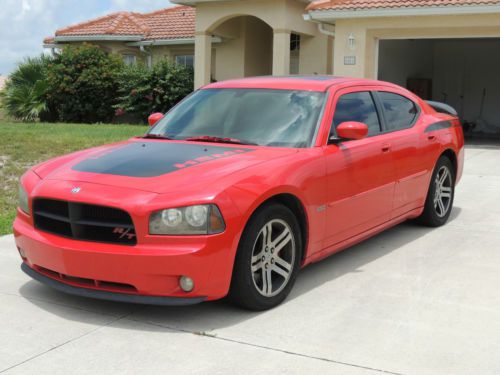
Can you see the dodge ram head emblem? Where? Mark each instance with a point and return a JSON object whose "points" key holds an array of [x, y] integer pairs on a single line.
{"points": [[76, 190]]}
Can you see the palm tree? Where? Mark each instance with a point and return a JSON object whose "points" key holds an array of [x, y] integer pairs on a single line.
{"points": [[24, 94]]}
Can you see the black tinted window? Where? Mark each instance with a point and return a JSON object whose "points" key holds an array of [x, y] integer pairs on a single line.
{"points": [[359, 107], [400, 112]]}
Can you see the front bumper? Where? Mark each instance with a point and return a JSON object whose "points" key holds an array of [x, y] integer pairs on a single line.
{"points": [[144, 273], [109, 296]]}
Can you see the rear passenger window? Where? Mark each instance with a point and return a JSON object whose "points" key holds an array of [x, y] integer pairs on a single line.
{"points": [[359, 107], [400, 112]]}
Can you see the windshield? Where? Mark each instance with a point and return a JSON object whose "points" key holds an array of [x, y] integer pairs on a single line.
{"points": [[278, 118]]}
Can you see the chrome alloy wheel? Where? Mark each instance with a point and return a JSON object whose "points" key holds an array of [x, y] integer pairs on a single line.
{"points": [[443, 193], [273, 258]]}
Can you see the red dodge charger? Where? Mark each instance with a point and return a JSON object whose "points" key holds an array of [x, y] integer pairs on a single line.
{"points": [[236, 189]]}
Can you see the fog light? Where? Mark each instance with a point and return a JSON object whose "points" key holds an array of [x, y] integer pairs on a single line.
{"points": [[186, 283]]}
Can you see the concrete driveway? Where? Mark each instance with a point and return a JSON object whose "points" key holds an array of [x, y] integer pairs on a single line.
{"points": [[410, 301]]}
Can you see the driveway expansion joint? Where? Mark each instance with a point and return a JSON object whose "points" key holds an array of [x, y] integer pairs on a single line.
{"points": [[217, 337]]}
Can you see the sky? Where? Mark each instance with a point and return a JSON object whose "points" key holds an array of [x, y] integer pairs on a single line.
{"points": [[25, 23]]}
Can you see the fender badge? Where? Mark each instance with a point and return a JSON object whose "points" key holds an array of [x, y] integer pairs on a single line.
{"points": [[76, 190]]}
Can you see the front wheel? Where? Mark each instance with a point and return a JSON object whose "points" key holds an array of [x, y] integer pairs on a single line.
{"points": [[439, 202], [268, 259]]}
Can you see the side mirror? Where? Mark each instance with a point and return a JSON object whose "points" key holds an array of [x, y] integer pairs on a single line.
{"points": [[352, 130], [154, 118]]}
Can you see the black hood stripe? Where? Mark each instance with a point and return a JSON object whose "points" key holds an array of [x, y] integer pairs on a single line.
{"points": [[152, 159]]}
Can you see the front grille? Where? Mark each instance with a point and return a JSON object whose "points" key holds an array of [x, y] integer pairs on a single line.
{"points": [[84, 222]]}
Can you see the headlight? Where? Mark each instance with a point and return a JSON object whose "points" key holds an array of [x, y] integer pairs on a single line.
{"points": [[23, 200], [192, 220]]}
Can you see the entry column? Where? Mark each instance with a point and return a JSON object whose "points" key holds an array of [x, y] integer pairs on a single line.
{"points": [[202, 59], [281, 52]]}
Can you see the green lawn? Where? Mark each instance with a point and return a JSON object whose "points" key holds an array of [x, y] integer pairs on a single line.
{"points": [[24, 145]]}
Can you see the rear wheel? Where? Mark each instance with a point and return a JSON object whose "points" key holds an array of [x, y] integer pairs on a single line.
{"points": [[268, 259], [439, 202]]}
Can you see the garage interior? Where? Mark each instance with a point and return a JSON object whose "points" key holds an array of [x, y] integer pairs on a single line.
{"points": [[464, 73]]}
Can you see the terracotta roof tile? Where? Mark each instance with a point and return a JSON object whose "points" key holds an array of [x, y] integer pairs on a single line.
{"points": [[170, 23], [388, 4]]}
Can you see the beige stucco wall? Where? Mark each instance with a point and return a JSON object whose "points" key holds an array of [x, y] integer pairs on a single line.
{"points": [[258, 47], [369, 31], [279, 14], [230, 53], [316, 55], [247, 48]]}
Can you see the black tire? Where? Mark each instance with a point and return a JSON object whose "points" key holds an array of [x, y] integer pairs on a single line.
{"points": [[434, 215], [247, 287]]}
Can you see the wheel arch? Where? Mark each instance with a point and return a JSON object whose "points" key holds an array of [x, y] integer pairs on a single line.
{"points": [[294, 204], [452, 156]]}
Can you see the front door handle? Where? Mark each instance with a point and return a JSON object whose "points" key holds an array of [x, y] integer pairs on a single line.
{"points": [[386, 147], [431, 137]]}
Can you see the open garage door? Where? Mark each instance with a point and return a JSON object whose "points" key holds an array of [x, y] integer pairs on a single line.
{"points": [[464, 73]]}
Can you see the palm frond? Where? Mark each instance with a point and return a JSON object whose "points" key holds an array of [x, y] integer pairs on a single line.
{"points": [[24, 94]]}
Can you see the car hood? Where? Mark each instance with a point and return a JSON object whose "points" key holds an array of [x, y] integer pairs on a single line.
{"points": [[160, 166]]}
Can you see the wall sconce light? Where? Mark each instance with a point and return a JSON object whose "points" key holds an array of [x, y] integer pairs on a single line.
{"points": [[351, 41]]}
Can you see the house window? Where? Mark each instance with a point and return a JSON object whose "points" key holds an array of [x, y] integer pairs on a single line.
{"points": [[294, 53], [295, 42], [130, 60], [185, 60]]}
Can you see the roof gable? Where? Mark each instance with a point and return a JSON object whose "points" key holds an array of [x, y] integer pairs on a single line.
{"points": [[170, 23]]}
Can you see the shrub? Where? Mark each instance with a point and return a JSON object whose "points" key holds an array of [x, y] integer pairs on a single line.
{"points": [[82, 83], [86, 84], [171, 84], [135, 93], [144, 91], [24, 95]]}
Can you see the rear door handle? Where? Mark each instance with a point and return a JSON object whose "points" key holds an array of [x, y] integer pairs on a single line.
{"points": [[386, 148], [431, 137]]}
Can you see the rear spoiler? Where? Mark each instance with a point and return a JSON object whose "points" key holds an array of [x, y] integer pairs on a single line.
{"points": [[443, 108]]}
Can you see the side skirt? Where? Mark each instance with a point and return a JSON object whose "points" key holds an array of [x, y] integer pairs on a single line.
{"points": [[361, 237]]}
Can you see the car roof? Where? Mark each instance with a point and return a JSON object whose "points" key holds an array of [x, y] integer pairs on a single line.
{"points": [[319, 83]]}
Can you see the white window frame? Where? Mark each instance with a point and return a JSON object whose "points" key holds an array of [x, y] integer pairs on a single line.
{"points": [[183, 59], [129, 59]]}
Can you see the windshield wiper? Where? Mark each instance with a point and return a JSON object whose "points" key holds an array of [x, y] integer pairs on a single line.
{"points": [[157, 136], [207, 138]]}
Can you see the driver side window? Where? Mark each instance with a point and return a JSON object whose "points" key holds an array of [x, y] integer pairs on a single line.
{"points": [[359, 107]]}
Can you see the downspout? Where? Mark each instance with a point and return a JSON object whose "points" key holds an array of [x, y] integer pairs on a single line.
{"points": [[321, 26], [149, 56], [329, 34], [322, 30]]}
